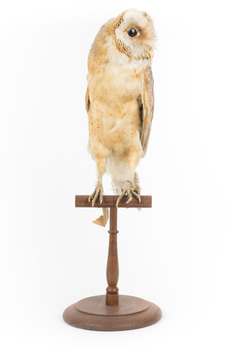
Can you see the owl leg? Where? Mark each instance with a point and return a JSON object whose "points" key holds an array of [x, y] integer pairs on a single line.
{"points": [[98, 192], [136, 183], [131, 188]]}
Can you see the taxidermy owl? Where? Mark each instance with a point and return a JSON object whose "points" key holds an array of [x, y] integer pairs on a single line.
{"points": [[120, 101]]}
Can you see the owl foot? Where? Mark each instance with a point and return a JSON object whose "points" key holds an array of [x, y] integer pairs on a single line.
{"points": [[98, 193], [130, 190]]}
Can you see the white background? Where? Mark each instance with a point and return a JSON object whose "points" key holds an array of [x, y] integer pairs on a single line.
{"points": [[177, 254]]}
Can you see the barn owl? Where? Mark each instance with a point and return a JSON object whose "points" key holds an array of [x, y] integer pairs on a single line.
{"points": [[120, 101]]}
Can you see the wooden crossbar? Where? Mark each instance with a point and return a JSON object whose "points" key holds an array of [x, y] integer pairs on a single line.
{"points": [[110, 202]]}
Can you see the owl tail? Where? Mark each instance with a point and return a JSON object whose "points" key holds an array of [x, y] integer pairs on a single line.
{"points": [[103, 219]]}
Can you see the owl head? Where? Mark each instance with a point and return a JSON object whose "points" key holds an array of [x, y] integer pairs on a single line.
{"points": [[134, 34]]}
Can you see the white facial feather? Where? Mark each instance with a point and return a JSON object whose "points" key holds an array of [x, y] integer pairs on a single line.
{"points": [[115, 57], [139, 19]]}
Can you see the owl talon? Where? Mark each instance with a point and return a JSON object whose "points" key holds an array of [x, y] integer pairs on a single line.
{"points": [[129, 194], [98, 193], [131, 191], [137, 195], [129, 200]]}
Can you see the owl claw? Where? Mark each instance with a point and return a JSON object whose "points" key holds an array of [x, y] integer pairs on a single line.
{"points": [[129, 200], [98, 193], [137, 195], [130, 190]]}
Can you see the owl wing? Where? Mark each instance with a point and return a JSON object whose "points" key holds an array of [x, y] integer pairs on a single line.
{"points": [[147, 108], [87, 100]]}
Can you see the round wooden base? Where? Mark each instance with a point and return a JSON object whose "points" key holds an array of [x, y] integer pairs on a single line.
{"points": [[93, 313]]}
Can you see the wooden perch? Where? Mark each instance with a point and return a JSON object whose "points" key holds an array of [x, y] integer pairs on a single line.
{"points": [[110, 202]]}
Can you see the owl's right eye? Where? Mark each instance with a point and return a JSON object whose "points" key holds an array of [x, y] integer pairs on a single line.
{"points": [[132, 32]]}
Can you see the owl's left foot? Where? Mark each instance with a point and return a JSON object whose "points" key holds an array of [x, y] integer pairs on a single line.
{"points": [[98, 193], [130, 190]]}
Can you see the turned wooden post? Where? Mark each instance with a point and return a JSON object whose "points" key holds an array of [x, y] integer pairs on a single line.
{"points": [[111, 311], [112, 297]]}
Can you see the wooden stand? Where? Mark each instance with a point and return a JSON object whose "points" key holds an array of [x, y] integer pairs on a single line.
{"points": [[112, 312]]}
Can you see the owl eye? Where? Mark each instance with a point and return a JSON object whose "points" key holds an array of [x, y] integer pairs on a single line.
{"points": [[132, 32]]}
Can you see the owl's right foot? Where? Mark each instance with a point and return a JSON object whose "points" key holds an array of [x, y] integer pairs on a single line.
{"points": [[131, 191], [98, 193]]}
